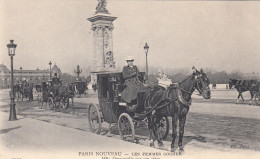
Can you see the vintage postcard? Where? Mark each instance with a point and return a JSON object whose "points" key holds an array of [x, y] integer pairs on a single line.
{"points": [[129, 79]]}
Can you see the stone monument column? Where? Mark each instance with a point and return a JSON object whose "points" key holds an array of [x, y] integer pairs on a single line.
{"points": [[102, 28]]}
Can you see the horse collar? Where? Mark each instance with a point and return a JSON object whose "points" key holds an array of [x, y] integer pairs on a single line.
{"points": [[181, 99]]}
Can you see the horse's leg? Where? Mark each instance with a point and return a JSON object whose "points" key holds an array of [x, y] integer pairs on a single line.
{"points": [[174, 130], [150, 124], [182, 119], [252, 96], [155, 128], [242, 98], [239, 94]]}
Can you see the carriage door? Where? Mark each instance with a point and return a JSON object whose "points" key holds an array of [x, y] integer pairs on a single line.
{"points": [[105, 95]]}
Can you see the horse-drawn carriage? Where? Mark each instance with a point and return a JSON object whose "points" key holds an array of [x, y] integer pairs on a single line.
{"points": [[112, 109], [151, 107], [58, 94], [54, 94], [24, 90], [80, 88]]}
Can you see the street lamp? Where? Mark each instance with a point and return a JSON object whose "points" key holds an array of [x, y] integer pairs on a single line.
{"points": [[50, 69], [78, 71], [146, 48], [11, 52], [21, 73]]}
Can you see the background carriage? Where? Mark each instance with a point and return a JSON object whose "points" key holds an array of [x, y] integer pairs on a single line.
{"points": [[113, 111], [59, 94], [24, 90], [80, 88]]}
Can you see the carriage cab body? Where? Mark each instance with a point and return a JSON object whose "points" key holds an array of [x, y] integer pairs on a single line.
{"points": [[110, 85]]}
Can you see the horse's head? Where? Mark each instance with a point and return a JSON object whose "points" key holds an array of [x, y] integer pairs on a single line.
{"points": [[202, 83], [231, 83]]}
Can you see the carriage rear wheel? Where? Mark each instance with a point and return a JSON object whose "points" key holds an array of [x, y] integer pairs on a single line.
{"points": [[257, 99], [51, 103], [126, 127], [94, 119], [161, 127]]}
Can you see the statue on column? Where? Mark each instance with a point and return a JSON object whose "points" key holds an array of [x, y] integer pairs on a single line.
{"points": [[101, 7]]}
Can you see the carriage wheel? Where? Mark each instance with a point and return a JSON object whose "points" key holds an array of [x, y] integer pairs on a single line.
{"points": [[94, 119], [162, 127], [126, 127], [257, 99], [51, 103]]}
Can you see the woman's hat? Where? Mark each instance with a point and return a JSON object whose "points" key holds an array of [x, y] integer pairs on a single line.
{"points": [[130, 58]]}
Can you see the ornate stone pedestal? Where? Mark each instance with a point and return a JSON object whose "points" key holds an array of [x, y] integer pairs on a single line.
{"points": [[102, 28]]}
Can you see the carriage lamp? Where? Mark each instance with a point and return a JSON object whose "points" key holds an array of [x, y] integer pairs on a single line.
{"points": [[146, 49], [11, 52], [50, 69]]}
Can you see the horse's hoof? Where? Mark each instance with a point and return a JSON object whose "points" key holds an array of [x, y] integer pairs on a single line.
{"points": [[181, 150], [172, 149], [151, 144], [160, 144]]}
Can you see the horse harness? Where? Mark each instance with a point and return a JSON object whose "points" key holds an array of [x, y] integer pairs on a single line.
{"points": [[179, 98]]}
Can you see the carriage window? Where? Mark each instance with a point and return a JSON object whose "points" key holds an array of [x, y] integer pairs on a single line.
{"points": [[105, 87]]}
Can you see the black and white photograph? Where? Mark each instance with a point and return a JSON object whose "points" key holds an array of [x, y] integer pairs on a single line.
{"points": [[129, 79]]}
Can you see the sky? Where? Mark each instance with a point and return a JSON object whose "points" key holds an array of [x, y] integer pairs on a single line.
{"points": [[222, 35]]}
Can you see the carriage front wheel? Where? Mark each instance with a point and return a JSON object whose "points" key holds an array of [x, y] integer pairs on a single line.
{"points": [[257, 99], [126, 127], [94, 119]]}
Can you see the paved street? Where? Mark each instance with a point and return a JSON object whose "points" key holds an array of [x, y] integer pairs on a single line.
{"points": [[211, 127]]}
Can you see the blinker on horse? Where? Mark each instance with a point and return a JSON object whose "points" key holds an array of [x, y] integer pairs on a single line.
{"points": [[177, 106]]}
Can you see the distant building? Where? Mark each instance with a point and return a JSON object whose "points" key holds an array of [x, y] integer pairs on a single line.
{"points": [[34, 76], [55, 70]]}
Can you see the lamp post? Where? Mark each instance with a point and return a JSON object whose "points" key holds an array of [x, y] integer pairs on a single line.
{"points": [[50, 69], [146, 48], [21, 73], [11, 52], [78, 71]]}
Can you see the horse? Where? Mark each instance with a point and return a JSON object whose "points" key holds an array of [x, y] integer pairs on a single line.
{"points": [[175, 102], [26, 91], [243, 86]]}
